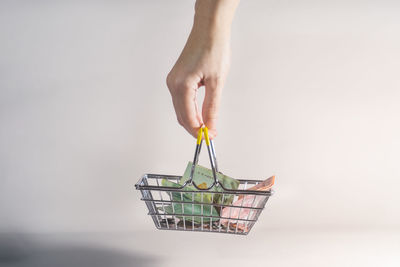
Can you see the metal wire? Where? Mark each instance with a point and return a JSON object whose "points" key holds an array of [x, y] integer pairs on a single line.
{"points": [[197, 216]]}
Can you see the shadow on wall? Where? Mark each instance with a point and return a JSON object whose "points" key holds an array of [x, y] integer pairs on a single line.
{"points": [[18, 251]]}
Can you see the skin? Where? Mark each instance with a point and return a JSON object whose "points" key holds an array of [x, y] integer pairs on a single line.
{"points": [[204, 61]]}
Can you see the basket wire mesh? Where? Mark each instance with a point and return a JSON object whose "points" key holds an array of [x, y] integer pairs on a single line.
{"points": [[179, 208]]}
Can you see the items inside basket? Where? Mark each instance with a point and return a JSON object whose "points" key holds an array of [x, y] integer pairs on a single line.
{"points": [[227, 208]]}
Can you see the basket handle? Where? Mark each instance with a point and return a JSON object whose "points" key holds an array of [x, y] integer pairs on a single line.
{"points": [[211, 154]]}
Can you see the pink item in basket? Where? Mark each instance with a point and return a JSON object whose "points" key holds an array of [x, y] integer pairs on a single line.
{"points": [[248, 201]]}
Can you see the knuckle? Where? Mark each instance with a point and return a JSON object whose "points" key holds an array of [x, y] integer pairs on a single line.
{"points": [[170, 81], [173, 81], [177, 85]]}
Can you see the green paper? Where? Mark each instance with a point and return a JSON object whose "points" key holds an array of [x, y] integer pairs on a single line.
{"points": [[203, 178]]}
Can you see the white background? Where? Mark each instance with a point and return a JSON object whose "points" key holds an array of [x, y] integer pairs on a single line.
{"points": [[312, 97]]}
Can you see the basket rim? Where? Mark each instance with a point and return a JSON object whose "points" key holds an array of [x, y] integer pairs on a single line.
{"points": [[201, 203], [141, 186], [203, 216]]}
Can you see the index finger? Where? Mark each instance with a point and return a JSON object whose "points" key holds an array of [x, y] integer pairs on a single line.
{"points": [[188, 110]]}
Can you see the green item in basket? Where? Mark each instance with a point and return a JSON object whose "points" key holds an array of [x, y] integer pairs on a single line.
{"points": [[203, 178], [193, 212]]}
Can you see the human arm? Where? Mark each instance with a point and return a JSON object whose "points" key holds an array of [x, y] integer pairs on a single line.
{"points": [[204, 61]]}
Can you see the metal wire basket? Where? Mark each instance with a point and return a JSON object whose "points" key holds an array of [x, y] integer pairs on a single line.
{"points": [[181, 208]]}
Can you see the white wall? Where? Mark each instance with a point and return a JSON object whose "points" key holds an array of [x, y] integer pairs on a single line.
{"points": [[312, 97]]}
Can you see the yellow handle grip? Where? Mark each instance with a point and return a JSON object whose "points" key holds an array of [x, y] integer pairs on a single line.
{"points": [[206, 136], [200, 134]]}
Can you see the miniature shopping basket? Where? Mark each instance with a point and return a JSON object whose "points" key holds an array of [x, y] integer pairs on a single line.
{"points": [[192, 207]]}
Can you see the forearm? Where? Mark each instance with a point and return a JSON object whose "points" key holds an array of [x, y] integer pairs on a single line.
{"points": [[213, 19]]}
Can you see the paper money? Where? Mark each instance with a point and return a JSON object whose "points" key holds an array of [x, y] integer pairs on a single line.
{"points": [[204, 178], [251, 201]]}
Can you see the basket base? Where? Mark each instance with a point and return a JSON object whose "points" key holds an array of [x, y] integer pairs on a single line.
{"points": [[180, 225]]}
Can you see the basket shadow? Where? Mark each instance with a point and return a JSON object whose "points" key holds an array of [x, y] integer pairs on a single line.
{"points": [[23, 252]]}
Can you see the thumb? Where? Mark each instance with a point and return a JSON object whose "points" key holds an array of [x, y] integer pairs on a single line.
{"points": [[211, 105]]}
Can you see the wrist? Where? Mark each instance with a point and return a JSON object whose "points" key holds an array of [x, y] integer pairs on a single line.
{"points": [[213, 18]]}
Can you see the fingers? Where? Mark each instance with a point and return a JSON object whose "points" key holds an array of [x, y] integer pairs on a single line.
{"points": [[187, 112], [178, 116], [211, 104], [186, 109]]}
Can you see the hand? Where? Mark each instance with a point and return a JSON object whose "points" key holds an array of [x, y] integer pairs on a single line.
{"points": [[204, 61]]}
